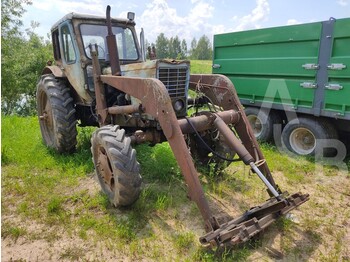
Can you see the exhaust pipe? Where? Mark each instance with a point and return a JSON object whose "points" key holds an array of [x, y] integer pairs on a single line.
{"points": [[112, 46]]}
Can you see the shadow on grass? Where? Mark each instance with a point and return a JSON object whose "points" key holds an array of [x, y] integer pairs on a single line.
{"points": [[295, 244], [81, 158]]}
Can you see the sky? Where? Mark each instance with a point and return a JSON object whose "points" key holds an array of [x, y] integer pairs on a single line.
{"points": [[190, 19]]}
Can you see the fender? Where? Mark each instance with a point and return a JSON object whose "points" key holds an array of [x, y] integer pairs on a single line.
{"points": [[55, 70]]}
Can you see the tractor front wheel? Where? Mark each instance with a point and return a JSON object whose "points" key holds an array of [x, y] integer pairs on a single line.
{"points": [[116, 166]]}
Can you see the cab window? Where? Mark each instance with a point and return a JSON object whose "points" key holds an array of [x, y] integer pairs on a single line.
{"points": [[68, 47], [56, 45], [96, 34]]}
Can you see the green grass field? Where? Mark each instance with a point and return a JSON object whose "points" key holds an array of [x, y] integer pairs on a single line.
{"points": [[201, 66], [52, 208]]}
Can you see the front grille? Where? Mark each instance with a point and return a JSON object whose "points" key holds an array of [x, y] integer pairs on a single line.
{"points": [[175, 80]]}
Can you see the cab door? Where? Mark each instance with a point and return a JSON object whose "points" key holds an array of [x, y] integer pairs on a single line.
{"points": [[71, 62]]}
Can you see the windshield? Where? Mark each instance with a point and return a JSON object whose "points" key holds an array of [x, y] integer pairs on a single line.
{"points": [[96, 34]]}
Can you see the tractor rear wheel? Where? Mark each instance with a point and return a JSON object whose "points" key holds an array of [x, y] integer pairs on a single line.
{"points": [[116, 166], [56, 114]]}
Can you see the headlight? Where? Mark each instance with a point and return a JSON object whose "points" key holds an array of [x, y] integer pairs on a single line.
{"points": [[178, 105]]}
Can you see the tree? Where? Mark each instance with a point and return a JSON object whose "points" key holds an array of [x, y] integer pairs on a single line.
{"points": [[169, 48], [183, 49], [204, 50], [22, 60], [193, 54], [201, 50], [162, 46], [11, 13], [174, 47], [22, 63], [11, 41]]}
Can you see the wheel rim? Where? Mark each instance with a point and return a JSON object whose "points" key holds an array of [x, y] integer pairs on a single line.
{"points": [[46, 119], [302, 141], [256, 124], [105, 169]]}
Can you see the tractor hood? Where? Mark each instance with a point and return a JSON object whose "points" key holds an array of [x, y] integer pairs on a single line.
{"points": [[149, 68], [174, 74]]}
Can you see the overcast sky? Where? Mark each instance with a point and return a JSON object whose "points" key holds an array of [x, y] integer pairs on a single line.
{"points": [[192, 18]]}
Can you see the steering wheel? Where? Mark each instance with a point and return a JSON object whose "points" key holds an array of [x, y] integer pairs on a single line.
{"points": [[100, 51]]}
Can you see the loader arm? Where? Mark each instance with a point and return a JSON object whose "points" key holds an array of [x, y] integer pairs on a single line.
{"points": [[156, 102], [222, 93]]}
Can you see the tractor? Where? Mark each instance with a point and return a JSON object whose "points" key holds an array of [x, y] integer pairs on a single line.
{"points": [[101, 78]]}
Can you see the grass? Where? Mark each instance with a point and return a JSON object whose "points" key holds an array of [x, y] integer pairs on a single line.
{"points": [[184, 241], [51, 198], [7, 230], [49, 192], [201, 66]]}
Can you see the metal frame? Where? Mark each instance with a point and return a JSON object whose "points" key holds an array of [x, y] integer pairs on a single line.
{"points": [[325, 53], [156, 102]]}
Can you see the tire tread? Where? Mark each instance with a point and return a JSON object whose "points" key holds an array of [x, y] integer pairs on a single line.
{"points": [[125, 167]]}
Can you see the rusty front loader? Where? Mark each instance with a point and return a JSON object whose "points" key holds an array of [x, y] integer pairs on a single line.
{"points": [[102, 78]]}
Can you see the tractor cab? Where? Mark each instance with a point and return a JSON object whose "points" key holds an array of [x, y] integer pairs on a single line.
{"points": [[74, 35]]}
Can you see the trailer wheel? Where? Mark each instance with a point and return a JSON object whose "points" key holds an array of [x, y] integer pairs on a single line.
{"points": [[301, 136], [116, 166], [262, 122], [56, 114]]}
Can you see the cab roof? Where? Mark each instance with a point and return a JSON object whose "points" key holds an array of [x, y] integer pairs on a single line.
{"points": [[91, 18]]}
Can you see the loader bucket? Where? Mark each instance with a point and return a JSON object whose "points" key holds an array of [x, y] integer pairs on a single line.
{"points": [[253, 221]]}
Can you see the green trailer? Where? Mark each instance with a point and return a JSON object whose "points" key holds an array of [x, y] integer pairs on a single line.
{"points": [[294, 81]]}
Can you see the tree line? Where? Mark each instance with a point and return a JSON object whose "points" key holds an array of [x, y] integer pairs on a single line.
{"points": [[174, 48]]}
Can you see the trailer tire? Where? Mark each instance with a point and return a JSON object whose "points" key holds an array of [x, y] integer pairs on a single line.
{"points": [[301, 135], [57, 115], [117, 169], [262, 122]]}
